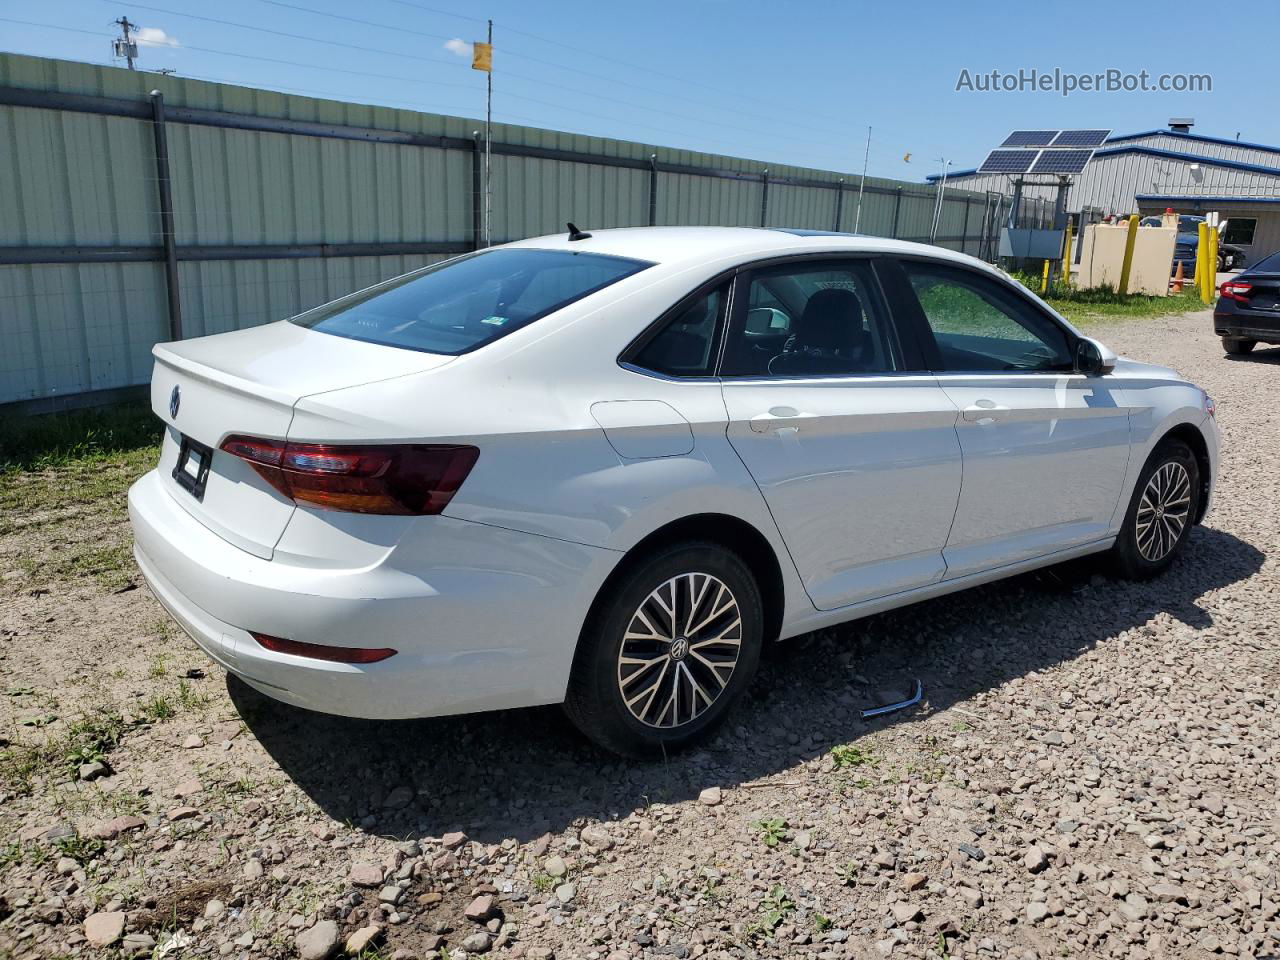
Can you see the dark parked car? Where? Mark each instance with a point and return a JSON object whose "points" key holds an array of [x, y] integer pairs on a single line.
{"points": [[1230, 257], [1248, 310]]}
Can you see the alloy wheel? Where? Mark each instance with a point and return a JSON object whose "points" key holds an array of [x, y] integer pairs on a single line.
{"points": [[679, 650], [1163, 511]]}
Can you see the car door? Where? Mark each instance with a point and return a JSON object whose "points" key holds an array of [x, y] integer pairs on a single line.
{"points": [[1045, 447], [852, 444]]}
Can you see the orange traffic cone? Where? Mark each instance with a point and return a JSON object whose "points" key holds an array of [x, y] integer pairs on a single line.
{"points": [[1177, 279]]}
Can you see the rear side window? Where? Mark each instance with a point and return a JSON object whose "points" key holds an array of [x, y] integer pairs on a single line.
{"points": [[460, 305], [811, 318], [685, 346]]}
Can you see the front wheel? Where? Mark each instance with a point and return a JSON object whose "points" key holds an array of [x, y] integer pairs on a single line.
{"points": [[1238, 347], [1160, 514], [670, 646]]}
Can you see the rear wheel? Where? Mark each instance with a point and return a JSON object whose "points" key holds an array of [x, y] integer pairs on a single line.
{"points": [[1238, 346], [1160, 514], [667, 651]]}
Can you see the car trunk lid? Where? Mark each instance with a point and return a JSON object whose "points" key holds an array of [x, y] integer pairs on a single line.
{"points": [[1263, 293], [248, 382]]}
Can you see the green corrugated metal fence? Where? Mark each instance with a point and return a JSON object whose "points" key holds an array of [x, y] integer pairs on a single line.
{"points": [[265, 218]]}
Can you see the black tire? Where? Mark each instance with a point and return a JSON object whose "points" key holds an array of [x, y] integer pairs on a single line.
{"points": [[1135, 555], [595, 700], [1238, 347]]}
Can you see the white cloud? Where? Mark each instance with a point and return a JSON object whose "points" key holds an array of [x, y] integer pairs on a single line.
{"points": [[154, 37], [458, 46]]}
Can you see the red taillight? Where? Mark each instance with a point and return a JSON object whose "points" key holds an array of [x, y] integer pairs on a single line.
{"points": [[1237, 290], [320, 651], [400, 479]]}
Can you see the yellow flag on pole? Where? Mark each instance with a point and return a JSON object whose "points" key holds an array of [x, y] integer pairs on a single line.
{"points": [[482, 57]]}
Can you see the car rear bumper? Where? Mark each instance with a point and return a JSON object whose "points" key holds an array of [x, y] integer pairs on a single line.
{"points": [[487, 619], [1253, 325]]}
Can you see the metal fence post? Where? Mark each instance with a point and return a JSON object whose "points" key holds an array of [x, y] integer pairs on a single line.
{"points": [[653, 189], [477, 202], [839, 203], [897, 208], [764, 197], [166, 215]]}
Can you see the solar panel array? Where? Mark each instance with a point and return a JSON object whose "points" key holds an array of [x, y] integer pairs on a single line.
{"points": [[1061, 161], [1030, 138], [1081, 138], [1044, 151], [1009, 161]]}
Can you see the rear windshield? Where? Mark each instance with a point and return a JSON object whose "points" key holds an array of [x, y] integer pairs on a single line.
{"points": [[462, 304], [1270, 265]]}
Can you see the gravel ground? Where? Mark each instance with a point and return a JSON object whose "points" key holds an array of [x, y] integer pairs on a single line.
{"points": [[1093, 774]]}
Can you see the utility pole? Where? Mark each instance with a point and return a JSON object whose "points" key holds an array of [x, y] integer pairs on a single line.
{"points": [[125, 46], [488, 121], [857, 219], [937, 209]]}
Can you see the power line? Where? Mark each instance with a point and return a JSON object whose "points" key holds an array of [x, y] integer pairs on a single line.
{"points": [[280, 33], [418, 80], [367, 23], [252, 56], [397, 28], [443, 61], [790, 108]]}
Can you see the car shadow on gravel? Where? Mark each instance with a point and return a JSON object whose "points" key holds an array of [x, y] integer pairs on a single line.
{"points": [[522, 773], [1257, 355]]}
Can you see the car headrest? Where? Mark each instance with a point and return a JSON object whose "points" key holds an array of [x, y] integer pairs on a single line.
{"points": [[832, 320]]}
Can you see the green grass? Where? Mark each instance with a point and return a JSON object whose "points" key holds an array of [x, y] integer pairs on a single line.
{"points": [[92, 737], [55, 461], [1101, 304], [56, 440], [63, 479], [158, 709]]}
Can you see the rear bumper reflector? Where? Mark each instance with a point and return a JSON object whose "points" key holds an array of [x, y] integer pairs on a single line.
{"points": [[321, 651]]}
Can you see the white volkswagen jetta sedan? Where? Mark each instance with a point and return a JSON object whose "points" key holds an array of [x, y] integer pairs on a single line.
{"points": [[603, 470]]}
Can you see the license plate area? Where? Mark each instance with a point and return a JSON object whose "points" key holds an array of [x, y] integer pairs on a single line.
{"points": [[192, 469]]}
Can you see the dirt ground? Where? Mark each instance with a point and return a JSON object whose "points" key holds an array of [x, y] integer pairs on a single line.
{"points": [[1093, 773]]}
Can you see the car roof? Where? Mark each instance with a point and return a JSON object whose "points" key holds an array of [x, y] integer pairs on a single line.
{"points": [[676, 245]]}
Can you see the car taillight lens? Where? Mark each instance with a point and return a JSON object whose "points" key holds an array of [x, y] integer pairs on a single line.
{"points": [[396, 479], [1237, 290], [321, 651]]}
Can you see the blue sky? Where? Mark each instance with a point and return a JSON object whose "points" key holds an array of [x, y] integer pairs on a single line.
{"points": [[786, 83]]}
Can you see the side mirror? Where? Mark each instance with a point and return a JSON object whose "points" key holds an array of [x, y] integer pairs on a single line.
{"points": [[1094, 358]]}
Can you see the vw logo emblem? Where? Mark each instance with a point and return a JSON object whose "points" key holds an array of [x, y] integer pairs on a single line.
{"points": [[175, 401], [679, 648]]}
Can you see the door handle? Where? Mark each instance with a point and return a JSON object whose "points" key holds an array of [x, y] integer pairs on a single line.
{"points": [[984, 411], [778, 418]]}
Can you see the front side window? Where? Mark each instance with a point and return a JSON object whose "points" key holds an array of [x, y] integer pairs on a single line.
{"points": [[813, 318], [979, 325], [685, 345], [460, 305]]}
